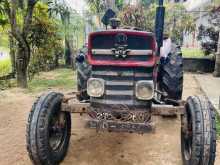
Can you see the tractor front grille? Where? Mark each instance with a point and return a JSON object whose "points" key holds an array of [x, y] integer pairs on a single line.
{"points": [[112, 57], [134, 42], [120, 86]]}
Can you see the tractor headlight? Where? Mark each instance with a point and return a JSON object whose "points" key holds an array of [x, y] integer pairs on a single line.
{"points": [[95, 87], [144, 90]]}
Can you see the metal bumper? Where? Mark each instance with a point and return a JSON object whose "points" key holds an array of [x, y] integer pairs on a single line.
{"points": [[116, 126], [121, 126], [163, 110]]}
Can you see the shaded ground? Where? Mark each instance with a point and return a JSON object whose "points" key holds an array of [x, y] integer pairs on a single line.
{"points": [[210, 85], [86, 146]]}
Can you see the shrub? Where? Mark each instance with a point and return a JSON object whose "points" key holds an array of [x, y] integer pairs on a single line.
{"points": [[208, 38], [45, 41]]}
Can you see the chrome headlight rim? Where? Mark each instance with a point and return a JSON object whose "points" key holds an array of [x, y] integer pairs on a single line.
{"points": [[148, 83], [102, 87]]}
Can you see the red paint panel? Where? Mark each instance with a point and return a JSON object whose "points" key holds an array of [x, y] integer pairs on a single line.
{"points": [[149, 63]]}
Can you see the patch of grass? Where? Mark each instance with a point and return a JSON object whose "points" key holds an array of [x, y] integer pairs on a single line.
{"points": [[5, 62], [5, 67], [192, 52], [218, 125], [59, 78], [4, 49], [3, 39]]}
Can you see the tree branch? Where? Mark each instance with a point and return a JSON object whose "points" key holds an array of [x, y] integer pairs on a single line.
{"points": [[28, 17], [11, 11]]}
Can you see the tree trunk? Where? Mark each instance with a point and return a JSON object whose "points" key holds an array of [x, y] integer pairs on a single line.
{"points": [[20, 33], [21, 68], [21, 77], [56, 60], [217, 60], [68, 52], [12, 45], [72, 58]]}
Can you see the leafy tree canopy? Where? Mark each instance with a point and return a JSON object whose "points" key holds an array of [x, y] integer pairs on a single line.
{"points": [[177, 20]]}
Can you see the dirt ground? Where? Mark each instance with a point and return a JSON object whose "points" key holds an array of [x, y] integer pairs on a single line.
{"points": [[86, 146]]}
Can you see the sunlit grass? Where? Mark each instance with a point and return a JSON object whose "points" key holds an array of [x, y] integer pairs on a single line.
{"points": [[3, 39], [59, 78], [4, 49], [192, 52], [5, 66]]}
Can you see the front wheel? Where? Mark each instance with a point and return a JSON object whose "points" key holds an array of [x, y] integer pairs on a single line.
{"points": [[198, 132], [48, 130]]}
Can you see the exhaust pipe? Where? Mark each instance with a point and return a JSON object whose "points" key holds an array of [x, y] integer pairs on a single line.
{"points": [[159, 25]]}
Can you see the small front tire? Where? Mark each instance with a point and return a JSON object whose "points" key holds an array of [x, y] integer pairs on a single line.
{"points": [[198, 132], [48, 130]]}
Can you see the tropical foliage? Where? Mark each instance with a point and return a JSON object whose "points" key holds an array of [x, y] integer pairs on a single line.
{"points": [[20, 14], [208, 37], [96, 6], [134, 16], [177, 20], [210, 40], [72, 25], [46, 43], [39, 34]]}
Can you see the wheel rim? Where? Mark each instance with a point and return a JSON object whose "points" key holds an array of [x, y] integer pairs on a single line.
{"points": [[188, 138], [57, 131], [187, 147]]}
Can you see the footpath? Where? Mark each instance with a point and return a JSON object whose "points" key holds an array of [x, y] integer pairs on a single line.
{"points": [[211, 87]]}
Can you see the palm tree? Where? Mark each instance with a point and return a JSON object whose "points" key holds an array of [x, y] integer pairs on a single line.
{"points": [[3, 20], [1, 6], [64, 12], [97, 7]]}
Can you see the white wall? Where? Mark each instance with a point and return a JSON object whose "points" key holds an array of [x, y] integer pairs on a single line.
{"points": [[195, 4]]}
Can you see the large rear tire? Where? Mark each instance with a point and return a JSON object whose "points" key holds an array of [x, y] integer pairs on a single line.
{"points": [[198, 132], [171, 75], [48, 130]]}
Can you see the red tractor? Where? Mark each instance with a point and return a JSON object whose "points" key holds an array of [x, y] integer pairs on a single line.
{"points": [[122, 83]]}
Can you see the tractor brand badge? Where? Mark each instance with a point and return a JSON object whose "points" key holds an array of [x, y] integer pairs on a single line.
{"points": [[121, 39], [120, 49]]}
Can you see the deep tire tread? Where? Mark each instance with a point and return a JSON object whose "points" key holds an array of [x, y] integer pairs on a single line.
{"points": [[204, 143], [36, 126], [171, 80]]}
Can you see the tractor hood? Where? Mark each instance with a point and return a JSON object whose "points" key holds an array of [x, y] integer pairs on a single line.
{"points": [[122, 47]]}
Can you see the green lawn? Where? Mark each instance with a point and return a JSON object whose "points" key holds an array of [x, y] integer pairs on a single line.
{"points": [[3, 39], [5, 67], [59, 78], [192, 52], [4, 49], [5, 63]]}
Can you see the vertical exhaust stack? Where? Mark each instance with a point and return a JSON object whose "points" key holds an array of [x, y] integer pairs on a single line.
{"points": [[159, 25]]}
